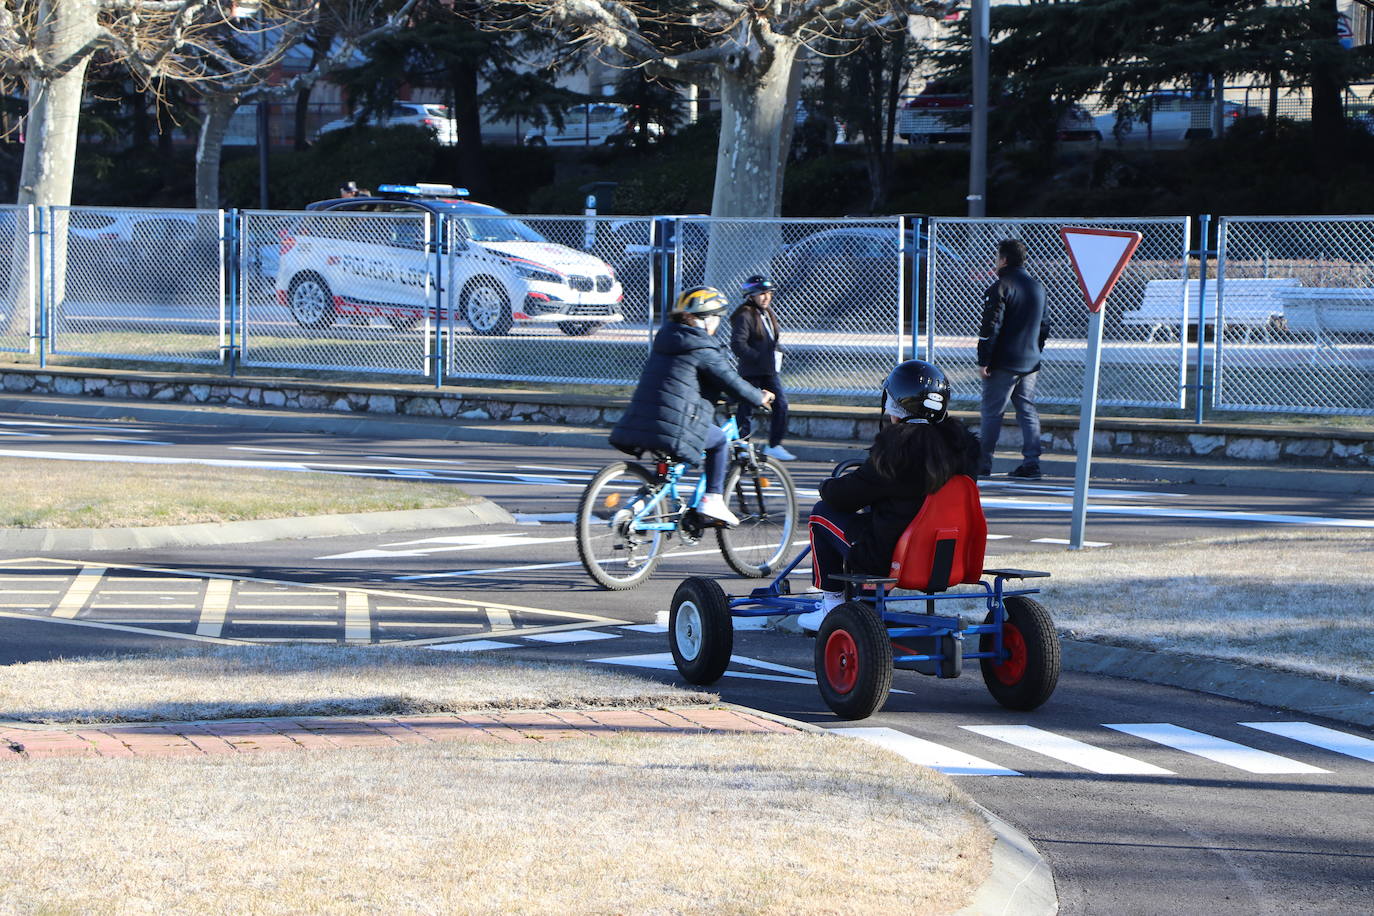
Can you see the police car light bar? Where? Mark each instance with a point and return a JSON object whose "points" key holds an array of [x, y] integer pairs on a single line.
{"points": [[423, 189]]}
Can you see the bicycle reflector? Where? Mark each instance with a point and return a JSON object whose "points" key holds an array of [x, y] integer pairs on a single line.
{"points": [[662, 468], [612, 500], [765, 482]]}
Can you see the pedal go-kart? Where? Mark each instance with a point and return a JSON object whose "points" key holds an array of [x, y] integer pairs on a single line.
{"points": [[874, 630]]}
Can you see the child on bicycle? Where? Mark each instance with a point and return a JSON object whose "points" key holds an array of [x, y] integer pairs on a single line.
{"points": [[672, 410], [912, 457]]}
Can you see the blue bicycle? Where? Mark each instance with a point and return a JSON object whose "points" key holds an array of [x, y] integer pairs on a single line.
{"points": [[629, 513]]}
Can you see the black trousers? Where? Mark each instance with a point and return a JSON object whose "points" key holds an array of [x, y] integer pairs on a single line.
{"points": [[744, 415]]}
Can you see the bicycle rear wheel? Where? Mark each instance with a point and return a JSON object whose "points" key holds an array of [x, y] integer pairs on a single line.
{"points": [[765, 500], [612, 550]]}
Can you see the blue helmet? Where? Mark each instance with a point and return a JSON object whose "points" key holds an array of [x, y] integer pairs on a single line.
{"points": [[758, 283]]}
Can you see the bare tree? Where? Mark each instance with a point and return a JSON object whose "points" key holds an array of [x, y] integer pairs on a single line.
{"points": [[749, 50]]}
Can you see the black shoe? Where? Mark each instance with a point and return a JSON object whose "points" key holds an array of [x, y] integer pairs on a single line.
{"points": [[1026, 472], [984, 472]]}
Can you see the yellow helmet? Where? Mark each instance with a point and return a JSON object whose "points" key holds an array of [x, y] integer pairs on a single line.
{"points": [[701, 300]]}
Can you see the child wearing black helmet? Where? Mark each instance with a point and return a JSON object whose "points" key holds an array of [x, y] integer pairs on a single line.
{"points": [[912, 457]]}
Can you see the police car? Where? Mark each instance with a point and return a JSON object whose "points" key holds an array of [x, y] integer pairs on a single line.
{"points": [[498, 271]]}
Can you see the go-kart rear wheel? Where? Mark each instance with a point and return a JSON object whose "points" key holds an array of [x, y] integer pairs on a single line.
{"points": [[700, 631], [1028, 676], [853, 661]]}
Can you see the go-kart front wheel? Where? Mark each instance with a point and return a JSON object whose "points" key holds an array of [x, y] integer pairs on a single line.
{"points": [[1031, 670], [700, 630], [853, 661]]}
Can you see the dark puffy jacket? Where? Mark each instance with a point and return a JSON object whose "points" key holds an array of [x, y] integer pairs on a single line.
{"points": [[893, 502], [754, 346], [1014, 329], [672, 409]]}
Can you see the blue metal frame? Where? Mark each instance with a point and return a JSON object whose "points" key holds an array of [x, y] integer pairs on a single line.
{"points": [[676, 471], [775, 598]]}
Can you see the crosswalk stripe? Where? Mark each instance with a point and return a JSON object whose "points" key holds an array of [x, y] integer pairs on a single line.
{"points": [[1320, 736], [1069, 750], [927, 753], [1229, 753]]}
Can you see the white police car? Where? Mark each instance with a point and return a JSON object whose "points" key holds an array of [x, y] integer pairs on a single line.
{"points": [[498, 272]]}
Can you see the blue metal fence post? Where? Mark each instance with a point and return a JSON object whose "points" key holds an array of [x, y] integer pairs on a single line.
{"points": [[231, 261], [41, 218], [436, 230], [1202, 252], [665, 232]]}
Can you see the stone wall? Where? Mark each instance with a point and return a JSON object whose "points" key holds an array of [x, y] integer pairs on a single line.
{"points": [[1113, 435]]}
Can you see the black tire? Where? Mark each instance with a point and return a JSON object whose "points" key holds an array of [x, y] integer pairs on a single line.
{"points": [[311, 301], [1028, 677], [766, 503], [616, 557], [853, 661], [580, 328], [486, 307], [700, 631]]}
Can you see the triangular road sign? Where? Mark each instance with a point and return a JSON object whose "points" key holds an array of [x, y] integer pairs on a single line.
{"points": [[1099, 256]]}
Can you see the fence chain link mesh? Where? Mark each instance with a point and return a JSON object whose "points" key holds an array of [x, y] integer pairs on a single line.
{"points": [[1144, 349], [548, 298], [337, 291], [1301, 289], [139, 284], [842, 290], [18, 279]]}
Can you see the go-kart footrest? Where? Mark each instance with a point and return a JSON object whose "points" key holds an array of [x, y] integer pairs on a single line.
{"points": [[1016, 573]]}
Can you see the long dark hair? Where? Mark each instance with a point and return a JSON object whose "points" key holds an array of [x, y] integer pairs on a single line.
{"points": [[921, 454]]}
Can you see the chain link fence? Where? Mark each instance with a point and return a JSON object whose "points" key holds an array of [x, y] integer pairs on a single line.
{"points": [[844, 290], [337, 291], [18, 279], [1304, 287], [138, 284], [548, 298], [1144, 350]]}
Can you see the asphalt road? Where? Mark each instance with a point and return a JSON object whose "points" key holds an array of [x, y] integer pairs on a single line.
{"points": [[1145, 799]]}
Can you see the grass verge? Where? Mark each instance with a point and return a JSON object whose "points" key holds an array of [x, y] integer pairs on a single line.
{"points": [[1293, 601], [40, 493]]}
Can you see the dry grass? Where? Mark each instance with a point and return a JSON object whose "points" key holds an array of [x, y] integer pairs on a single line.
{"points": [[1297, 601], [224, 682], [716, 824], [39, 493]]}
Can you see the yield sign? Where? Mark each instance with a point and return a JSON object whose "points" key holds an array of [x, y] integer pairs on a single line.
{"points": [[1098, 256]]}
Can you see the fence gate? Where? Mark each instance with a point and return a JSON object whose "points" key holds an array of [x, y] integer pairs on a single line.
{"points": [[1297, 315], [1144, 349]]}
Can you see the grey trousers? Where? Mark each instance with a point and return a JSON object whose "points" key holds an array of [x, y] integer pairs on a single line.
{"points": [[1018, 389]]}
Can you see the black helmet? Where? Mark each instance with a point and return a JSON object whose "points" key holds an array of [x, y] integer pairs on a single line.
{"points": [[919, 388], [758, 283], [700, 300]]}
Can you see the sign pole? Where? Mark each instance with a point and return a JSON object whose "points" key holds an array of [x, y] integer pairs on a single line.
{"points": [[1087, 418]]}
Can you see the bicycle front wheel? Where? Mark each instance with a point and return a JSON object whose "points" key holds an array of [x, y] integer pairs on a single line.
{"points": [[614, 549], [766, 502]]}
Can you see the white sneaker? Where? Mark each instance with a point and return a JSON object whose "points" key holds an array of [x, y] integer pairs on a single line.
{"points": [[713, 506], [780, 453], [811, 621]]}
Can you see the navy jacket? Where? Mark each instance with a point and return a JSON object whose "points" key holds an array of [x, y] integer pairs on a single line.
{"points": [[1014, 328], [892, 503], [673, 409], [754, 346]]}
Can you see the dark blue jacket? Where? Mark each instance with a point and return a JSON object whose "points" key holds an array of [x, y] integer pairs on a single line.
{"points": [[1014, 329], [673, 408], [754, 346]]}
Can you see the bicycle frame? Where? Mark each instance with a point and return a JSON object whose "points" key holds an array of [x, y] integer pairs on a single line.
{"points": [[672, 476]]}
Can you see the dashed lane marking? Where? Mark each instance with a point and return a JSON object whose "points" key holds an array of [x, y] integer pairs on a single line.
{"points": [[1066, 541]]}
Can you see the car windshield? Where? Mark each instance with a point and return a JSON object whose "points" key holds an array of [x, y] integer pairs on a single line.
{"points": [[499, 229]]}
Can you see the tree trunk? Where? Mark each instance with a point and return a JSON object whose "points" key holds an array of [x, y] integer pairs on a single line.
{"points": [[1328, 120], [66, 27], [755, 90], [219, 110], [302, 111], [468, 115]]}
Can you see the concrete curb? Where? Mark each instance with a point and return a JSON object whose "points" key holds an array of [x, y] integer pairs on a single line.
{"points": [[1311, 695], [479, 512]]}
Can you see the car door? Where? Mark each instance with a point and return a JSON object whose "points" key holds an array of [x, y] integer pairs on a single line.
{"points": [[362, 264], [404, 228]]}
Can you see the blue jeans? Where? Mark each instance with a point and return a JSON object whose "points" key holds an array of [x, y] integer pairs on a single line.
{"points": [[1018, 389], [717, 460]]}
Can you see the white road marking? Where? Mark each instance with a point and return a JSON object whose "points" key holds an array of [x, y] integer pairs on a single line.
{"points": [[998, 537], [475, 645], [405, 458], [646, 628], [130, 441], [663, 661], [498, 618], [573, 636], [448, 544], [275, 451], [585, 472], [1222, 515], [151, 459], [214, 606], [1068, 750], [1228, 753], [357, 617], [926, 753], [1066, 541], [528, 518], [79, 591], [82, 426], [1320, 736], [19, 435]]}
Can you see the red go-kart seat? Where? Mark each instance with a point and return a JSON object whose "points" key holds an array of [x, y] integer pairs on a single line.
{"points": [[945, 542]]}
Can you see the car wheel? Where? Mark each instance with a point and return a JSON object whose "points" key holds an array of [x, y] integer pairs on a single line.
{"points": [[310, 300], [580, 328], [486, 307]]}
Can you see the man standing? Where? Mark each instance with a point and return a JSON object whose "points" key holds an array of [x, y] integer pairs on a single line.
{"points": [[1010, 341]]}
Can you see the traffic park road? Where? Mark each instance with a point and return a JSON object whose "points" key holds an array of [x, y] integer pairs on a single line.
{"points": [[1142, 797]]}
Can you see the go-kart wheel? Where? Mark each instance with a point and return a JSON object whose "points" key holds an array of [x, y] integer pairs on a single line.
{"points": [[1028, 676], [853, 661], [700, 631]]}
